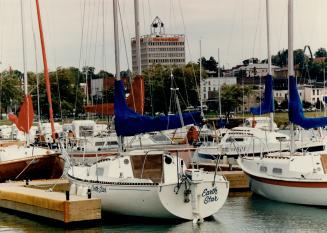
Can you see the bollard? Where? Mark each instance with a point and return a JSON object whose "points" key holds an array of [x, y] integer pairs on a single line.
{"points": [[89, 193], [67, 195], [26, 181]]}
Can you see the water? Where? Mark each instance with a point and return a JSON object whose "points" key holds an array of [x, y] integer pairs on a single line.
{"points": [[239, 214]]}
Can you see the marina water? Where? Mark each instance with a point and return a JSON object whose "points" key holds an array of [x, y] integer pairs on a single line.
{"points": [[239, 214]]}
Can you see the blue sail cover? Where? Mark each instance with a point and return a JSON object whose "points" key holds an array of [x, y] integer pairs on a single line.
{"points": [[267, 104], [130, 123], [325, 99], [295, 110]]}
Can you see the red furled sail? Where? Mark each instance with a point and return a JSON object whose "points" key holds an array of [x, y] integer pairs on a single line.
{"points": [[25, 117], [135, 100]]}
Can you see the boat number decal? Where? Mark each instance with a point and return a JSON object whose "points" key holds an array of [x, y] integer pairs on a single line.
{"points": [[210, 195], [99, 189]]}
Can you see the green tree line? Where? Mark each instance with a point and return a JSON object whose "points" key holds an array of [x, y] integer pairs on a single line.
{"points": [[69, 98]]}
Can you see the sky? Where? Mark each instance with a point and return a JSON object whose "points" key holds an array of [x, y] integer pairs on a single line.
{"points": [[80, 32]]}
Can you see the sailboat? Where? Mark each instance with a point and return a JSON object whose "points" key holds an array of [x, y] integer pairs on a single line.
{"points": [[19, 162], [149, 183], [258, 136], [251, 138], [292, 177]]}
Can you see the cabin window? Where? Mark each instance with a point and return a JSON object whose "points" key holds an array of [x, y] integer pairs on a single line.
{"points": [[231, 139], [263, 169], [99, 143], [99, 171], [277, 170], [85, 131], [112, 143], [239, 139]]}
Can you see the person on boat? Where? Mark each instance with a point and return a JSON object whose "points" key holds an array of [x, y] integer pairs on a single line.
{"points": [[192, 135], [70, 137]]}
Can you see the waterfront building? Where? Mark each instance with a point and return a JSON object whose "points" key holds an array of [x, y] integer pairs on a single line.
{"points": [[159, 47], [210, 85]]}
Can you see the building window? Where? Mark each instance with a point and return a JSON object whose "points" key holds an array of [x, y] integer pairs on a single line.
{"points": [[313, 92], [209, 88], [317, 91], [314, 99]]}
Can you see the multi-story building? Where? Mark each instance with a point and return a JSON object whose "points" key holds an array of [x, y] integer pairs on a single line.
{"points": [[159, 47], [212, 85], [254, 70]]}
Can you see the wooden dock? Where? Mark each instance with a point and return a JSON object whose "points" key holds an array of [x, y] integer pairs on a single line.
{"points": [[238, 181], [36, 199]]}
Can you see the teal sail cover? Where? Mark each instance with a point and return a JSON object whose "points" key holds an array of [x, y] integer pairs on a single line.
{"points": [[295, 110], [267, 104], [130, 123]]}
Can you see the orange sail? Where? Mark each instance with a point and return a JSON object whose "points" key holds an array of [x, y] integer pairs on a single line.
{"points": [[25, 117], [135, 100]]}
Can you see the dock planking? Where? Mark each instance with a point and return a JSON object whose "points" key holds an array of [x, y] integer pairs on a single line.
{"points": [[49, 204], [238, 181]]}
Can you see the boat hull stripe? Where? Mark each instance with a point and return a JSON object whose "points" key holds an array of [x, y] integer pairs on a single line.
{"points": [[302, 184]]}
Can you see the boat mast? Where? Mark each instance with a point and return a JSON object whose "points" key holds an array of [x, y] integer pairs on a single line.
{"points": [[117, 55], [290, 61], [137, 37], [201, 82], [324, 72], [116, 36], [24, 66], [219, 83], [46, 71], [269, 57]]}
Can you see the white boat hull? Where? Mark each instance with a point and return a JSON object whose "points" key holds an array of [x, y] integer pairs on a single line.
{"points": [[290, 193], [157, 201]]}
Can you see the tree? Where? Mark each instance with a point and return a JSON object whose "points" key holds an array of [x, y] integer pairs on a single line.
{"points": [[65, 92], [232, 97], [280, 59], [11, 91], [319, 105], [321, 52], [306, 104], [276, 106], [158, 85], [284, 104], [211, 64]]}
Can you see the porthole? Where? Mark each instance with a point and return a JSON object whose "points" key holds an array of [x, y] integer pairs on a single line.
{"points": [[168, 160]]}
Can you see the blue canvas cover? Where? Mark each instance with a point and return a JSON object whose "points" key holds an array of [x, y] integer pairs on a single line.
{"points": [[325, 99], [267, 104], [130, 123], [295, 110]]}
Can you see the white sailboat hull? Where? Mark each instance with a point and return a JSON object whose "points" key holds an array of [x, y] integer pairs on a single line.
{"points": [[298, 195], [298, 179], [151, 184], [157, 201]]}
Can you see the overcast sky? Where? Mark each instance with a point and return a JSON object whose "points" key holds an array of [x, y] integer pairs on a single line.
{"points": [[236, 27]]}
